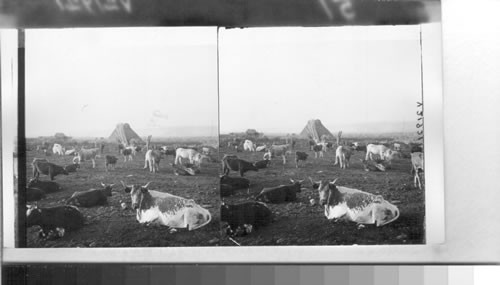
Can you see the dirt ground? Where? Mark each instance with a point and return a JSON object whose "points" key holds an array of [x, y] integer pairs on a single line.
{"points": [[296, 223], [110, 226], [299, 223]]}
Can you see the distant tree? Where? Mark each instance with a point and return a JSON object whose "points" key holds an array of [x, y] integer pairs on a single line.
{"points": [[61, 137], [252, 133]]}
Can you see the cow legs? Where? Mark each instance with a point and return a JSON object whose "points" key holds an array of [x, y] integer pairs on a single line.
{"points": [[93, 163], [152, 165], [417, 180], [284, 160]]}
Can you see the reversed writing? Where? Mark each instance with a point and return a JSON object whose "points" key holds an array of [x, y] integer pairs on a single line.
{"points": [[94, 6], [420, 121], [343, 8]]}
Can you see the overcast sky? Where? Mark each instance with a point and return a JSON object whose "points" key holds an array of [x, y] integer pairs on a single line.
{"points": [[355, 79], [82, 82]]}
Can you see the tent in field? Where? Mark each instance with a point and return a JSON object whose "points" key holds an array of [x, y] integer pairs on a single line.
{"points": [[124, 134], [316, 131]]}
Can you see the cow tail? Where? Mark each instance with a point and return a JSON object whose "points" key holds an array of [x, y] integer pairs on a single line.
{"points": [[205, 223], [69, 201], [51, 172], [390, 221]]}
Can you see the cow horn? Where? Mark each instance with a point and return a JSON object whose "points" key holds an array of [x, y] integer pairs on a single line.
{"points": [[111, 185], [333, 182], [147, 184], [103, 185], [329, 196]]}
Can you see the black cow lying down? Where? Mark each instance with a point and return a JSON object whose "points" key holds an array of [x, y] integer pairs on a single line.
{"points": [[92, 197], [235, 182], [46, 186], [60, 219], [229, 184], [232, 162], [280, 194], [226, 190], [34, 194], [42, 166], [250, 215]]}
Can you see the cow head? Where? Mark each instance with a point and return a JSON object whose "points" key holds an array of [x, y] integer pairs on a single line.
{"points": [[297, 184], [225, 212], [108, 189], [327, 191], [396, 154], [136, 193], [31, 182], [206, 157], [391, 154], [33, 215], [77, 157]]}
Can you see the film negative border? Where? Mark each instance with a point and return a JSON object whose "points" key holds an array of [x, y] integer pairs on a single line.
{"points": [[228, 13]]}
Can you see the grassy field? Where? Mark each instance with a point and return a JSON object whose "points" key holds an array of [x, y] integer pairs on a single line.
{"points": [[299, 223], [110, 226]]}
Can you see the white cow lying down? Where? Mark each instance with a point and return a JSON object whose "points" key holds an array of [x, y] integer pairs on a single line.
{"points": [[154, 207], [355, 205]]}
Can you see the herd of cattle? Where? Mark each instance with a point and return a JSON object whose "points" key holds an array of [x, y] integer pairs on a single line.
{"points": [[339, 202], [162, 208], [152, 207]]}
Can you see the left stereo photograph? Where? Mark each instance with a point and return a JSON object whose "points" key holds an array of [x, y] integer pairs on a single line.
{"points": [[121, 136]]}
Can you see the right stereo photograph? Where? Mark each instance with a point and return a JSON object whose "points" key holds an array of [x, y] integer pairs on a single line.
{"points": [[321, 136]]}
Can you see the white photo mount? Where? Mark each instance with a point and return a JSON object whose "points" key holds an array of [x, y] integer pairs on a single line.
{"points": [[434, 196]]}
